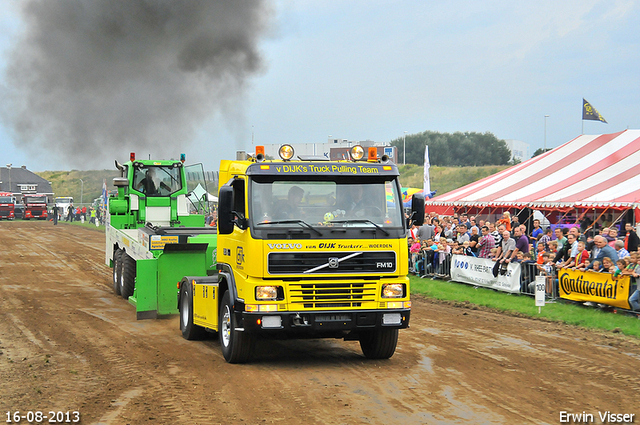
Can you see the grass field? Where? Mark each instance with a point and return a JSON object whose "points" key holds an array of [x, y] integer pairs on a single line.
{"points": [[445, 179], [86, 224], [560, 311]]}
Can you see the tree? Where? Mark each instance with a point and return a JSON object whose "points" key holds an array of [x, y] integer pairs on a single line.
{"points": [[540, 151], [457, 149]]}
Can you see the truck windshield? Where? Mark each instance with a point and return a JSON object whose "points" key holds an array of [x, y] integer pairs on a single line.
{"points": [[6, 200], [157, 180], [35, 200], [319, 204]]}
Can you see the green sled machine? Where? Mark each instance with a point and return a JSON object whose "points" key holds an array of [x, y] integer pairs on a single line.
{"points": [[156, 232]]}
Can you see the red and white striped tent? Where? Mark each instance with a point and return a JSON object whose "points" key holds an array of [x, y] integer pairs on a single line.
{"points": [[588, 172]]}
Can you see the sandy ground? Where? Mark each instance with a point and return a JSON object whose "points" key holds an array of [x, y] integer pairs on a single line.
{"points": [[67, 343]]}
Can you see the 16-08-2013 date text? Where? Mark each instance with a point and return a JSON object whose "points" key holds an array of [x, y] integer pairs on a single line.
{"points": [[37, 416]]}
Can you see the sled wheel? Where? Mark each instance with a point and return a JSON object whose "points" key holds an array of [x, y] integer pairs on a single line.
{"points": [[117, 270], [189, 330]]}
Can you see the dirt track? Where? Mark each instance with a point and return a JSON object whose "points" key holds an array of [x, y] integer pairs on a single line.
{"points": [[68, 343]]}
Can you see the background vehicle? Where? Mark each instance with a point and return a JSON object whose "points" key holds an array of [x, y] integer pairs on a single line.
{"points": [[35, 206], [7, 205], [18, 210], [63, 203]]}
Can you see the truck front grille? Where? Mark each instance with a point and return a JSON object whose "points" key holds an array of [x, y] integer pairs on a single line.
{"points": [[336, 263], [331, 294]]}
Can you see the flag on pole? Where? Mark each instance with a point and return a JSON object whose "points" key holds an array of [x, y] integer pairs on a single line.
{"points": [[104, 193], [427, 184], [590, 113]]}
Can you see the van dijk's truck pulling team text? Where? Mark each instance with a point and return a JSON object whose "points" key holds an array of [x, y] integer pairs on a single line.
{"points": [[303, 248]]}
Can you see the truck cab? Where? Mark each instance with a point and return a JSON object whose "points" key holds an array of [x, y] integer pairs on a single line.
{"points": [[7, 205], [153, 192], [35, 206], [63, 203]]}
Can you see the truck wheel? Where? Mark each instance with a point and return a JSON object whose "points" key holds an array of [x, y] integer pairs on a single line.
{"points": [[117, 270], [236, 346], [128, 276], [379, 344], [189, 330]]}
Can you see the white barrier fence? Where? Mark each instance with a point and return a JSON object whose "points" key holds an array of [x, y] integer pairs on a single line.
{"points": [[478, 271]]}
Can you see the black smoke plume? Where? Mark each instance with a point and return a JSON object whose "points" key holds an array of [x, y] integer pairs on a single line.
{"points": [[95, 78]]}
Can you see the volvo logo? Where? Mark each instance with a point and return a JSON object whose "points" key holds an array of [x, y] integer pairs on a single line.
{"points": [[333, 262], [285, 245]]}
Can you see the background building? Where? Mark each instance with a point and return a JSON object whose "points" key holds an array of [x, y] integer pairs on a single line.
{"points": [[519, 149], [21, 181]]}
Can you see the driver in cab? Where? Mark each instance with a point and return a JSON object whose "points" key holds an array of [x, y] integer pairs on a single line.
{"points": [[149, 184], [291, 209], [357, 201]]}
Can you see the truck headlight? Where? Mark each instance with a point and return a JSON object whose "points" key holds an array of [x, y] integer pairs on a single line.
{"points": [[393, 290], [266, 293]]}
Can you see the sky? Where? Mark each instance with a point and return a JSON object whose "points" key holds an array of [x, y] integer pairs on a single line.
{"points": [[371, 70]]}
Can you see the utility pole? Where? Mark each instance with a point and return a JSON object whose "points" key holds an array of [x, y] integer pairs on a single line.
{"points": [[404, 149], [545, 133], [9, 168]]}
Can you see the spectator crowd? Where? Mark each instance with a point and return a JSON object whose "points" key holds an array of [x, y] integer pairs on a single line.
{"points": [[538, 251]]}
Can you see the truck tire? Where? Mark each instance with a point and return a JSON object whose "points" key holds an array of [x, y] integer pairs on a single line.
{"points": [[117, 270], [379, 344], [189, 330], [128, 276], [236, 346]]}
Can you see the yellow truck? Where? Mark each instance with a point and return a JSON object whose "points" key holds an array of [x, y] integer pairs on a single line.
{"points": [[306, 248]]}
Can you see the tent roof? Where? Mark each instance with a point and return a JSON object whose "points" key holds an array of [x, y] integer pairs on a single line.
{"points": [[588, 171]]}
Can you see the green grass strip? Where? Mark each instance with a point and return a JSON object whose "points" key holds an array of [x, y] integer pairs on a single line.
{"points": [[86, 224], [560, 311]]}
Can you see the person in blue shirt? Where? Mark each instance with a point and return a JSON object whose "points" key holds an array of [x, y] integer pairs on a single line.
{"points": [[537, 230]]}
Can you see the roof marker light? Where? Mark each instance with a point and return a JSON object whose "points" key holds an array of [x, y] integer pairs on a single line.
{"points": [[259, 153]]}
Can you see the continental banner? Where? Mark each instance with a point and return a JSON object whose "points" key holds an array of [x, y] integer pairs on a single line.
{"points": [[596, 287], [478, 272]]}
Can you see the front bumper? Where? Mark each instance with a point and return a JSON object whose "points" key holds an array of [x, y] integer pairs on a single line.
{"points": [[318, 322], [35, 214]]}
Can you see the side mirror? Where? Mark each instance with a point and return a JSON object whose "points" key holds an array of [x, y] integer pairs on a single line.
{"points": [[225, 206], [121, 182], [417, 209]]}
